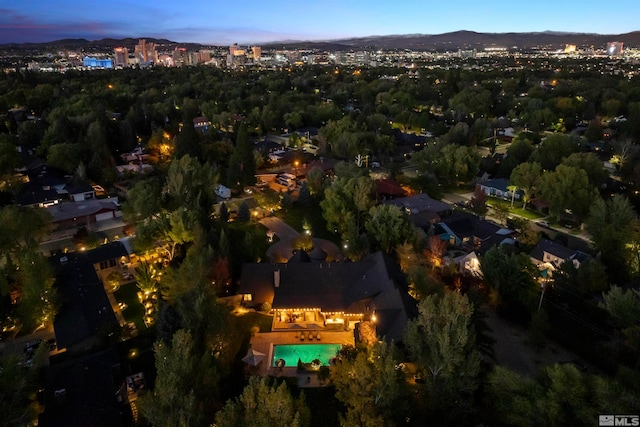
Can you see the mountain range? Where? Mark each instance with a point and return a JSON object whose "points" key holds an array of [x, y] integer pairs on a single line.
{"points": [[423, 42]]}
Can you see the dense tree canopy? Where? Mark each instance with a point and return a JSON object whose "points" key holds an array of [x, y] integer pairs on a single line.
{"points": [[370, 385], [264, 404]]}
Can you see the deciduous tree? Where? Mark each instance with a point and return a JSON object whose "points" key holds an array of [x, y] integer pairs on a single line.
{"points": [[527, 177], [567, 189], [513, 276], [369, 384], [180, 397], [387, 227], [478, 201], [441, 341], [611, 226], [264, 403], [552, 151]]}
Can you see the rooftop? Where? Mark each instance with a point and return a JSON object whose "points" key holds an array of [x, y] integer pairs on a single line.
{"points": [[65, 211], [420, 203], [85, 309]]}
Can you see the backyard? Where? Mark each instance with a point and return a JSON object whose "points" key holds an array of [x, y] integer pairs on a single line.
{"points": [[134, 311], [297, 215]]}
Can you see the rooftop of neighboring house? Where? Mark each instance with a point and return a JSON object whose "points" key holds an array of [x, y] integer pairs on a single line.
{"points": [[420, 203], [389, 188], [556, 249], [113, 250], [86, 310], [83, 390], [66, 211]]}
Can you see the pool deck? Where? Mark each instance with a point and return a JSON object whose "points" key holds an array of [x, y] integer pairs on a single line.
{"points": [[264, 343]]}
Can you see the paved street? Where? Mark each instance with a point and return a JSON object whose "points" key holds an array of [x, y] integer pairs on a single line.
{"points": [[579, 240]]}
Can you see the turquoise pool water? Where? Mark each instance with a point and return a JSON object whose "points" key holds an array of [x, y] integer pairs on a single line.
{"points": [[290, 353]]}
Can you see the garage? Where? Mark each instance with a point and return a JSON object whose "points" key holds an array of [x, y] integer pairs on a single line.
{"points": [[104, 215]]}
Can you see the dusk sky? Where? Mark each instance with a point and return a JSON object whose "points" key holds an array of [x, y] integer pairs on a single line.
{"points": [[218, 22]]}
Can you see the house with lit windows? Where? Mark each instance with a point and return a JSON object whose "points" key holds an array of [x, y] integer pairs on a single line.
{"points": [[324, 297], [549, 256]]}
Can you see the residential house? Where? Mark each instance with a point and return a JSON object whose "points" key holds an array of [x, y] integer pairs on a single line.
{"points": [[467, 230], [388, 189], [468, 264], [114, 254], [423, 211], [83, 214], [201, 124], [549, 256], [86, 310], [499, 187], [79, 192], [86, 390], [43, 186], [330, 296]]}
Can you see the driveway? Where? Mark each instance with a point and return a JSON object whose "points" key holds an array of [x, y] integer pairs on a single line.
{"points": [[283, 249], [281, 228]]}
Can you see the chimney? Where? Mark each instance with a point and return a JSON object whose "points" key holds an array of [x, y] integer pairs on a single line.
{"points": [[276, 278]]}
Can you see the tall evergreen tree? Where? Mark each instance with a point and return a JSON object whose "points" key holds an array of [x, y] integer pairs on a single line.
{"points": [[242, 164]]}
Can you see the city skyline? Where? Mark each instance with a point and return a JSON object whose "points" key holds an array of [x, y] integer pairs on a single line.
{"points": [[253, 21]]}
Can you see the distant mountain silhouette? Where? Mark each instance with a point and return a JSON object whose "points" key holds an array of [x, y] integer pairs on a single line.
{"points": [[107, 43], [474, 40], [447, 41]]}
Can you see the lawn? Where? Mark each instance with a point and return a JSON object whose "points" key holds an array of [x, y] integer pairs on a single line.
{"points": [[525, 213], [237, 234], [134, 312], [296, 215], [517, 208], [249, 320]]}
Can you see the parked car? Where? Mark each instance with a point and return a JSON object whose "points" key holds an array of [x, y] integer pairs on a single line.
{"points": [[544, 224]]}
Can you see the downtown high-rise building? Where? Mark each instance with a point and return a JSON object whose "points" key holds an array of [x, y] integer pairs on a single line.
{"points": [[121, 56], [257, 52], [615, 48], [146, 52]]}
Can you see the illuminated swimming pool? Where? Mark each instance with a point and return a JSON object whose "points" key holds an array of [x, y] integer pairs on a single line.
{"points": [[290, 353]]}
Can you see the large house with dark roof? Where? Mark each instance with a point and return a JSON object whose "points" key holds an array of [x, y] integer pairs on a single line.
{"points": [[331, 296], [86, 310]]}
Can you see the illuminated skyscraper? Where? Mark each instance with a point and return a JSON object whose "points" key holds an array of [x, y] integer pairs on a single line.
{"points": [[257, 52], [121, 56], [615, 48], [179, 57], [146, 52]]}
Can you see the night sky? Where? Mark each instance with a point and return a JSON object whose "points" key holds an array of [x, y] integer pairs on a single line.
{"points": [[257, 21]]}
